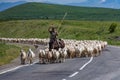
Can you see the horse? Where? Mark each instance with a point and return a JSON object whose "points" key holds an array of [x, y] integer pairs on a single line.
{"points": [[30, 55], [23, 56], [58, 44]]}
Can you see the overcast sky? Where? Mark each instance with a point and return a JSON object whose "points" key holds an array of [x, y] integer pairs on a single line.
{"points": [[53, 1]]}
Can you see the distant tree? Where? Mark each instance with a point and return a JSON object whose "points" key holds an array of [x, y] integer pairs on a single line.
{"points": [[55, 17], [112, 27], [46, 17]]}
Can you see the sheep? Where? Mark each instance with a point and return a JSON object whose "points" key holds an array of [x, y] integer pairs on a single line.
{"points": [[63, 54], [79, 50], [49, 56], [23, 56], [71, 52], [30, 55], [73, 48], [55, 55], [42, 56]]}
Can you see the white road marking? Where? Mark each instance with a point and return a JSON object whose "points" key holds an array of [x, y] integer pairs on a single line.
{"points": [[86, 63], [15, 68], [12, 69], [72, 75]]}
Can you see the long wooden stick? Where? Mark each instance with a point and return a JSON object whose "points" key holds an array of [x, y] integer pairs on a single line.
{"points": [[62, 21]]}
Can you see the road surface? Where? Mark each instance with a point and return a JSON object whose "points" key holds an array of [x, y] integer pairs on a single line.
{"points": [[104, 67]]}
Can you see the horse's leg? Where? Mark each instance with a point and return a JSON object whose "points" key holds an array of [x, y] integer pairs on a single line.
{"points": [[53, 46], [50, 46]]}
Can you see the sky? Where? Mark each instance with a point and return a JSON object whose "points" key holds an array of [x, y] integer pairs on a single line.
{"points": [[52, 1]]}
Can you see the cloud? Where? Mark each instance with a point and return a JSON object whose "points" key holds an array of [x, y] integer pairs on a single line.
{"points": [[103, 1], [67, 1], [53, 1], [34, 0]]}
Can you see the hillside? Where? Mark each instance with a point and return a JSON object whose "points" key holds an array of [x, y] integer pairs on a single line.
{"points": [[51, 11], [70, 29]]}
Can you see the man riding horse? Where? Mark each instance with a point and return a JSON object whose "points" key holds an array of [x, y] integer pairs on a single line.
{"points": [[53, 43]]}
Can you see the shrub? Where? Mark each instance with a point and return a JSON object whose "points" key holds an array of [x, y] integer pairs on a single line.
{"points": [[112, 27]]}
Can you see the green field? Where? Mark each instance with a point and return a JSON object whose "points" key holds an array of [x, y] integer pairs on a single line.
{"points": [[70, 29], [52, 11], [8, 53]]}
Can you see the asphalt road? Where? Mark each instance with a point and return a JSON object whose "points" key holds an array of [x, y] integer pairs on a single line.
{"points": [[104, 67]]}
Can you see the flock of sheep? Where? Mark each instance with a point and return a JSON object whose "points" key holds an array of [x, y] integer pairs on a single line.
{"points": [[73, 48]]}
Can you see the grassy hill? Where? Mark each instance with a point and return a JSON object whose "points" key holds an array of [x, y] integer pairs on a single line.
{"points": [[51, 11], [70, 29]]}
